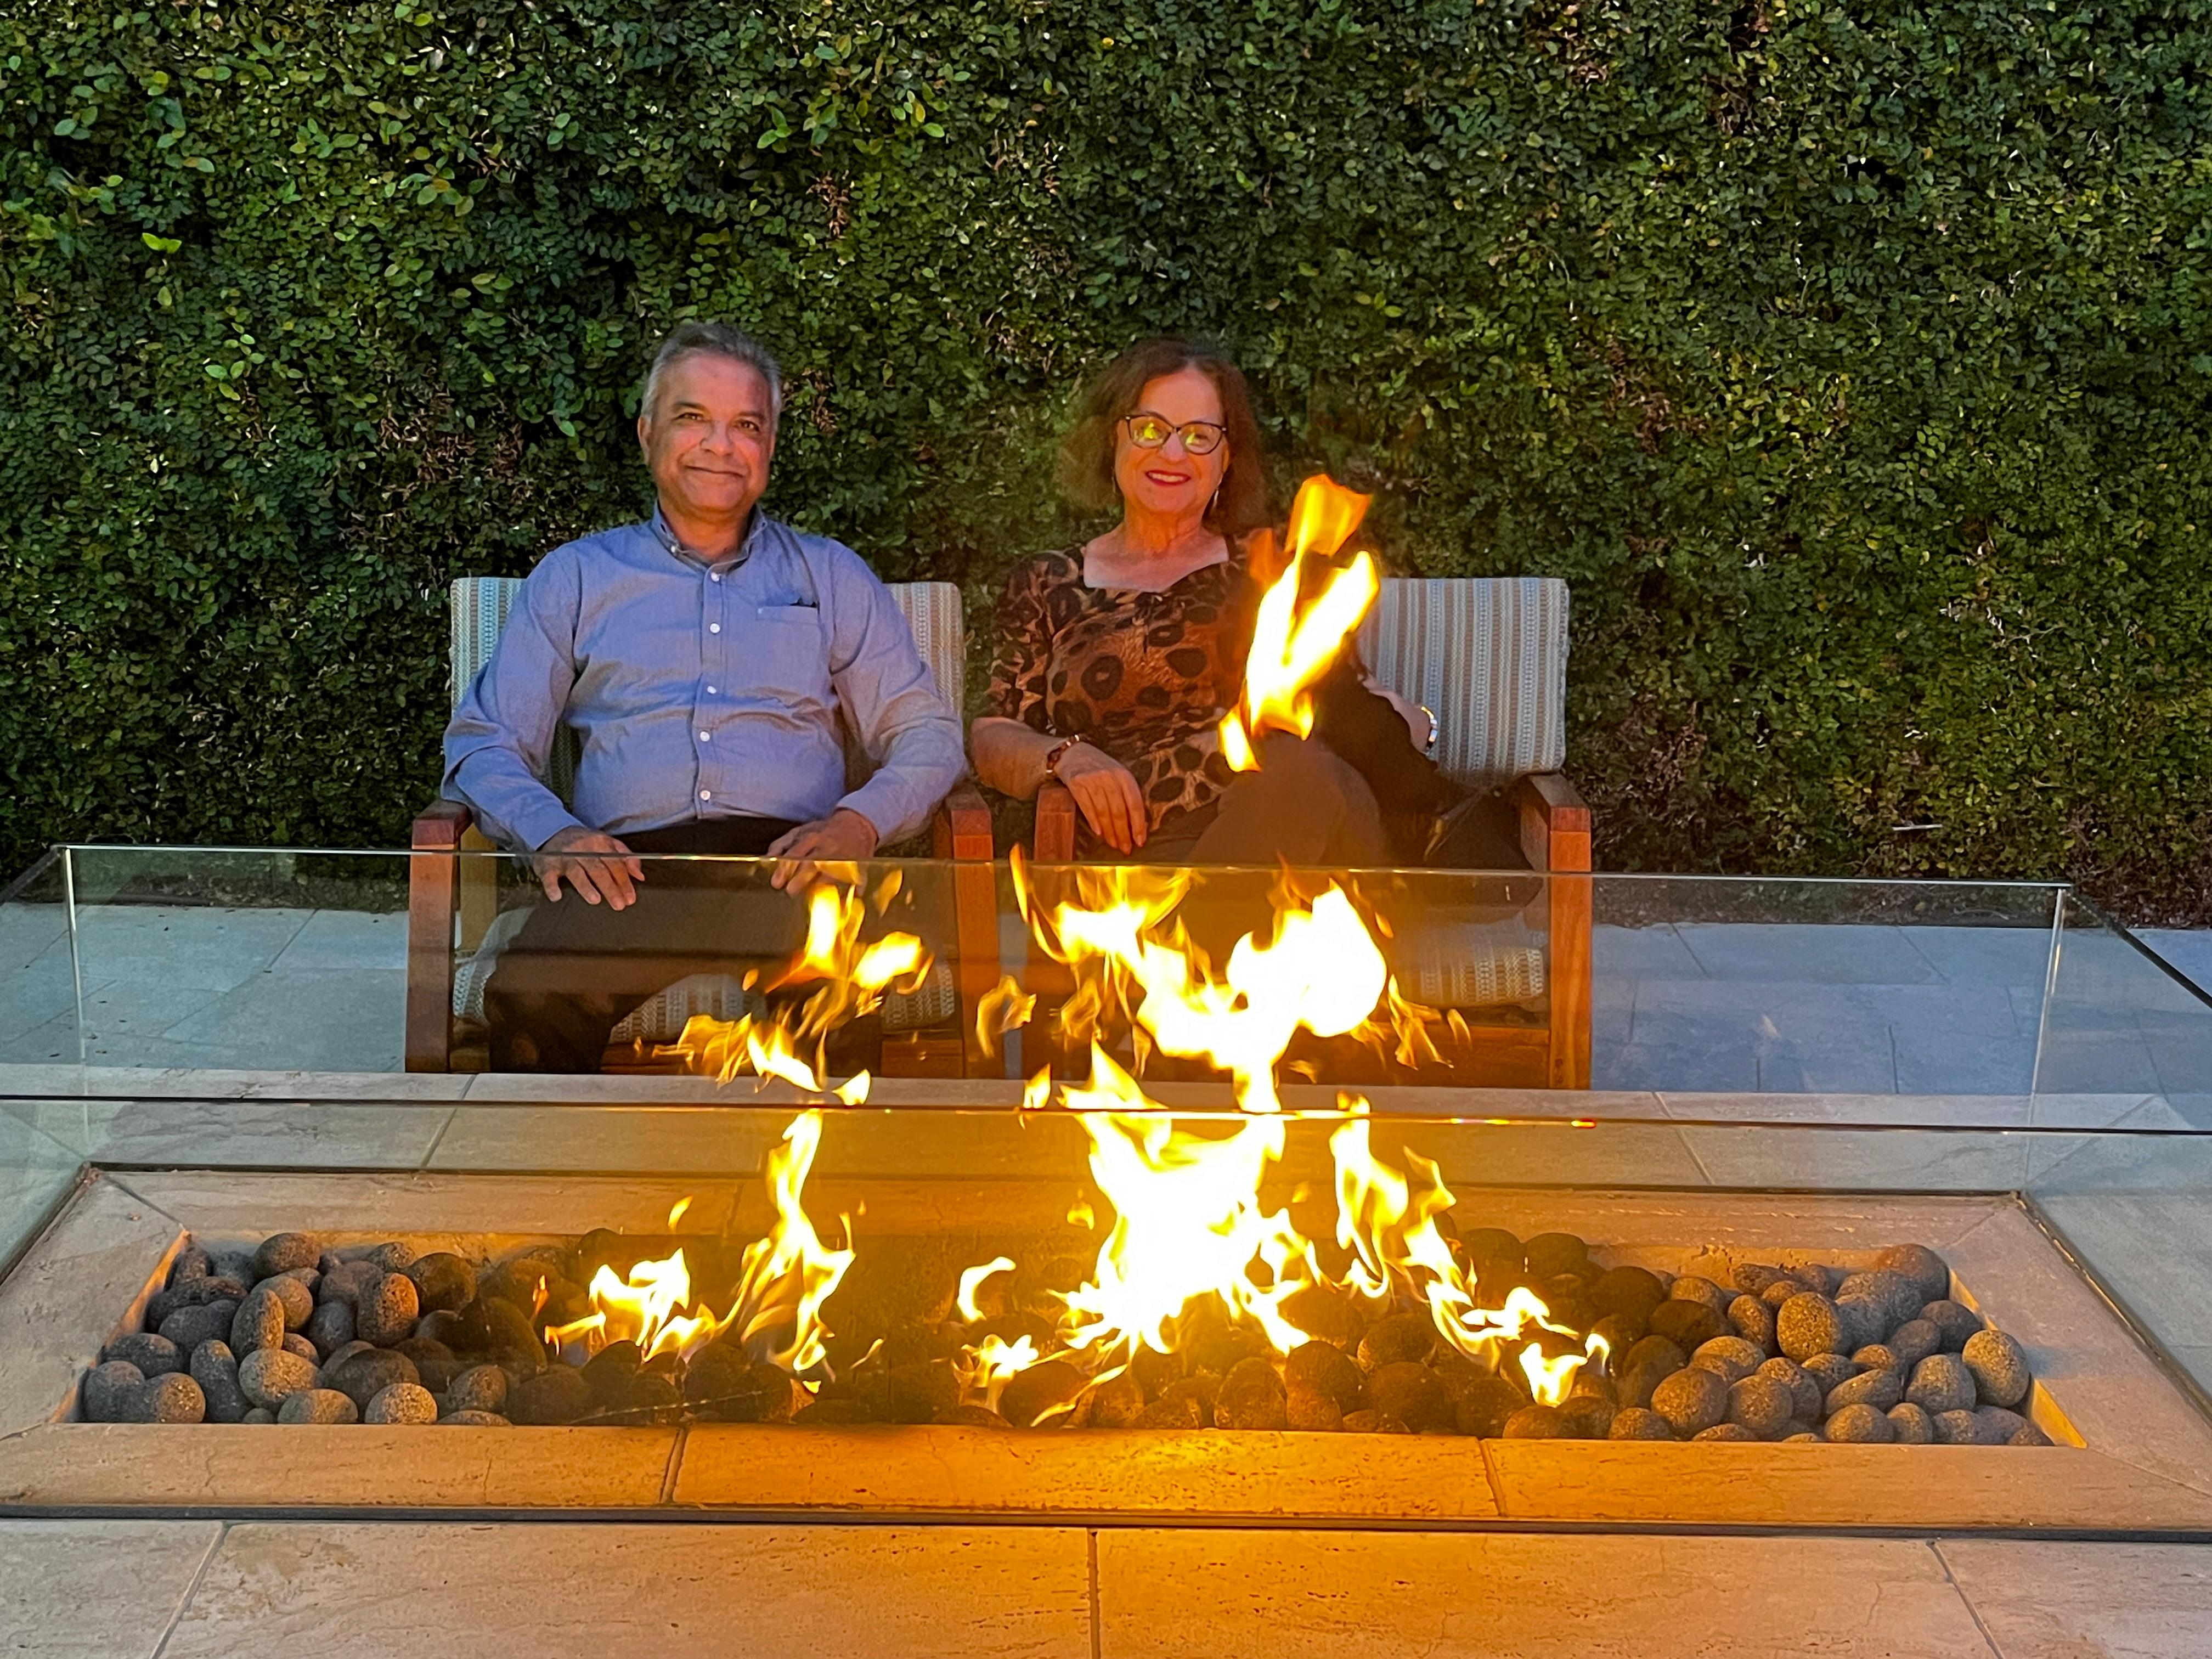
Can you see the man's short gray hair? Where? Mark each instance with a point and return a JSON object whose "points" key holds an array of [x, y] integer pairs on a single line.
{"points": [[714, 340]]}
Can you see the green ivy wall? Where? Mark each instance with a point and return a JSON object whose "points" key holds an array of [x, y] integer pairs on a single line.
{"points": [[1851, 361]]}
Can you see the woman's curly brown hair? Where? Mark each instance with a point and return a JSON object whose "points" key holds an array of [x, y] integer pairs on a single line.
{"points": [[1086, 456]]}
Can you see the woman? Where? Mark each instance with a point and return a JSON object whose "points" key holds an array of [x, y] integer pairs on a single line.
{"points": [[1117, 659]]}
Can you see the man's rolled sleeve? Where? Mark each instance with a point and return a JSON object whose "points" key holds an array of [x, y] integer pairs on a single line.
{"points": [[900, 722], [500, 737]]}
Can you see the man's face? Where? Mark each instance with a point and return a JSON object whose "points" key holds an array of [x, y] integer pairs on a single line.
{"points": [[709, 440]]}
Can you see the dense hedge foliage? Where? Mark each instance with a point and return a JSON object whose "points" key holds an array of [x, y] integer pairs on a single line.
{"points": [[1852, 362]]}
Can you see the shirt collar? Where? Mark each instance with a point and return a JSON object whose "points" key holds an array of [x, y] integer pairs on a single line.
{"points": [[665, 535]]}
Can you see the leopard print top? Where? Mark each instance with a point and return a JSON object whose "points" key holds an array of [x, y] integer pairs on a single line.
{"points": [[1146, 676]]}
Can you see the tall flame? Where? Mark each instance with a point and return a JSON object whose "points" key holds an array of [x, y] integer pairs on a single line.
{"points": [[1293, 645]]}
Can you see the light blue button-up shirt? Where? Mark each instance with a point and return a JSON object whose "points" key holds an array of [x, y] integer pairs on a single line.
{"points": [[701, 690]]}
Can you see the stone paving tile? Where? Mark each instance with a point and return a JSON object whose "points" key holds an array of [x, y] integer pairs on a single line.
{"points": [[33, 997], [335, 1022], [1788, 952], [2054, 1600], [1287, 1594], [214, 949], [1653, 953], [372, 1591], [1662, 1066], [2186, 949], [1985, 956], [1933, 1061], [96, 1589], [27, 932], [335, 940], [253, 1132], [35, 1170]]}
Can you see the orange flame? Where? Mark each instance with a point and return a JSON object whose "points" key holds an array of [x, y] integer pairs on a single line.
{"points": [[1293, 645]]}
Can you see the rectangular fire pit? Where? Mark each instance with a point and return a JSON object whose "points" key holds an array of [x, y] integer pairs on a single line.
{"points": [[2131, 1452]]}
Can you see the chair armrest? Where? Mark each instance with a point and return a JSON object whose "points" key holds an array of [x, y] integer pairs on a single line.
{"points": [[439, 826], [962, 826], [1555, 822], [1054, 840]]}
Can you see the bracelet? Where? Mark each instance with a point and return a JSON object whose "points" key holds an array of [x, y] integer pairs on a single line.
{"points": [[1435, 728], [1052, 757]]}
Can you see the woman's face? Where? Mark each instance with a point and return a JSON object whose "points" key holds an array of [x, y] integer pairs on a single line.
{"points": [[1169, 481]]}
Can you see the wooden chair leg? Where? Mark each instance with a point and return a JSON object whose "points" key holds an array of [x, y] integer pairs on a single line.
{"points": [[962, 833], [1555, 837], [432, 894], [1054, 840]]}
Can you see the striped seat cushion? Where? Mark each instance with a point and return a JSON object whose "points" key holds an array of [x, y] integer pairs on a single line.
{"points": [[1488, 656]]}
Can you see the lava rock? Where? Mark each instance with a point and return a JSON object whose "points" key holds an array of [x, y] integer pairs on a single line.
{"points": [[191, 1262], [1688, 1323], [280, 1252], [1914, 1340], [1915, 1425], [105, 1388], [1859, 1320], [1892, 1293], [1725, 1432], [1325, 1368], [720, 1377], [1535, 1423], [1808, 1325], [830, 1413], [403, 1402], [1494, 1244], [1929, 1274], [921, 1392], [444, 1282], [2029, 1435], [190, 1293], [172, 1397], [1634, 1423], [475, 1419], [1779, 1292], [1627, 1293], [1861, 1424], [339, 1357], [1181, 1406], [1806, 1394], [1731, 1359], [1755, 1322], [1999, 1366], [1954, 1321], [1689, 1287], [1412, 1393], [1219, 1352], [346, 1281], [369, 1373], [1876, 1357], [1397, 1340], [208, 1322], [1311, 1413], [1830, 1370], [1252, 1396], [395, 1255], [1692, 1399], [492, 1326], [1654, 1351], [386, 1311], [1325, 1316], [423, 1351], [267, 1375], [259, 1323], [1995, 1426], [297, 1301], [1549, 1254], [559, 1395], [1880, 1390], [259, 1417], [1483, 1406], [1119, 1402], [1032, 1394], [1586, 1417], [153, 1355], [438, 1326], [1373, 1422], [1941, 1383], [610, 1371], [1960, 1429], [214, 1368], [295, 1343], [1761, 1405], [317, 1405], [329, 1327], [1619, 1332]]}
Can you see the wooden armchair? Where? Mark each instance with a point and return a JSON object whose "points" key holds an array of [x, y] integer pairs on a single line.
{"points": [[454, 906], [1490, 657]]}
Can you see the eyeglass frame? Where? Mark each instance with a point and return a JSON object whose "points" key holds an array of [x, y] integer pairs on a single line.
{"points": [[1220, 432]]}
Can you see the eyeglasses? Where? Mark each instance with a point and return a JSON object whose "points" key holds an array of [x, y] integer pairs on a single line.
{"points": [[1149, 431]]}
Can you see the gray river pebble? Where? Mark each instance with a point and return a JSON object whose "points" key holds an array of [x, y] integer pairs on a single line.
{"points": [[171, 1397], [473, 1419], [154, 1356], [1954, 1321], [403, 1402], [214, 1368], [1806, 1393], [385, 1312], [1860, 1426], [189, 1326], [481, 1388], [258, 1323], [1914, 1340], [1999, 1366], [268, 1375], [329, 1327], [297, 1300], [1806, 1325], [1730, 1357], [1927, 1272], [326, 1406], [281, 1251], [1941, 1383], [1915, 1427], [102, 1392], [1880, 1390]]}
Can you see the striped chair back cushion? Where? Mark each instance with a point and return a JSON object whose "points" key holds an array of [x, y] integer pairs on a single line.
{"points": [[480, 605], [1488, 656]]}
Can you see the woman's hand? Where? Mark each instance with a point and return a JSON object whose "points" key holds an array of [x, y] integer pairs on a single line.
{"points": [[1112, 804], [1420, 726]]}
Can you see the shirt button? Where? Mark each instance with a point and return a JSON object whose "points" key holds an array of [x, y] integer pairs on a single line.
{"points": [[713, 575], [706, 737], [706, 795], [714, 627], [710, 690]]}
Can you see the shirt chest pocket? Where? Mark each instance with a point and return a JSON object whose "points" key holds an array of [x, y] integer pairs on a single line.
{"points": [[780, 654]]}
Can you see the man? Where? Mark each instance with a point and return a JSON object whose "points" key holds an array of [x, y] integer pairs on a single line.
{"points": [[703, 658]]}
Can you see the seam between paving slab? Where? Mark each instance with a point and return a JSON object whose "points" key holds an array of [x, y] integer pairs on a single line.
{"points": [[1936, 1549], [192, 1589]]}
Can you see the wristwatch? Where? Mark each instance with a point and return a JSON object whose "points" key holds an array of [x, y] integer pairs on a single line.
{"points": [[1052, 755]]}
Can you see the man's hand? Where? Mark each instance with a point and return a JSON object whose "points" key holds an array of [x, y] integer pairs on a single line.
{"points": [[1112, 804], [843, 835], [598, 867]]}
